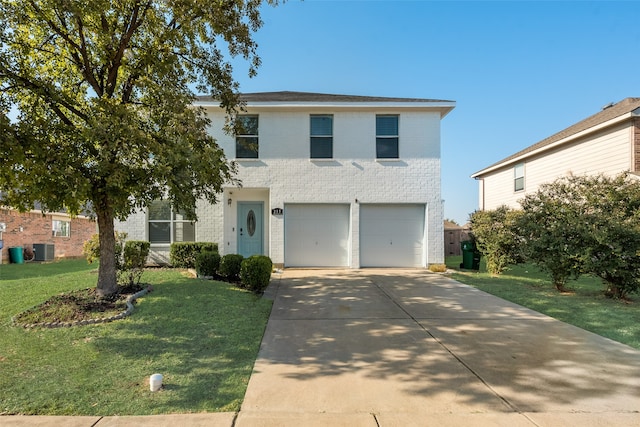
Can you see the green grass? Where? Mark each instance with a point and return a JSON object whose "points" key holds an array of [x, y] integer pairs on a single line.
{"points": [[203, 336], [585, 306]]}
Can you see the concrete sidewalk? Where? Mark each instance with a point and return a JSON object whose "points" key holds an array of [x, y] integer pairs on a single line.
{"points": [[412, 348]]}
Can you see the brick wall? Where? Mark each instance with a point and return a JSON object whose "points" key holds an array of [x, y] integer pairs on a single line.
{"points": [[28, 228]]}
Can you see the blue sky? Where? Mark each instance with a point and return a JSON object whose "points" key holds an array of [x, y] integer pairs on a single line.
{"points": [[519, 71]]}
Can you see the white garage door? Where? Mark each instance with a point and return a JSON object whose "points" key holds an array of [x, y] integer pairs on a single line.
{"points": [[391, 235], [316, 235]]}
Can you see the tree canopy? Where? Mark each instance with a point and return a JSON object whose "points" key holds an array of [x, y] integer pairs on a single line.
{"points": [[103, 92], [575, 225]]}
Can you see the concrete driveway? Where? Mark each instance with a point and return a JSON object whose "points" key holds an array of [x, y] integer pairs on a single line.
{"points": [[402, 348]]}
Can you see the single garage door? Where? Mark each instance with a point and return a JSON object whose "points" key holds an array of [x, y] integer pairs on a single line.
{"points": [[316, 235], [391, 235]]}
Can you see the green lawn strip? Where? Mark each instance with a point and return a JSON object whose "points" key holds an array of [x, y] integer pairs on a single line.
{"points": [[585, 306], [203, 336]]}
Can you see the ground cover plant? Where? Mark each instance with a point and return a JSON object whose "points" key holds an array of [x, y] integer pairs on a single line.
{"points": [[203, 336], [584, 304]]}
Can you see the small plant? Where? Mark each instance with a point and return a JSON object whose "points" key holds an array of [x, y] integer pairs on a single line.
{"points": [[230, 267], [134, 259], [207, 263], [255, 272], [131, 256], [438, 268], [91, 247]]}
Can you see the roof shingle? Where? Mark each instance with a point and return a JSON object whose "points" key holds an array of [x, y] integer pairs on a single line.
{"points": [[287, 96]]}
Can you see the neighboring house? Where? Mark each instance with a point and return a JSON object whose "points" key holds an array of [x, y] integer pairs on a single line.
{"points": [[607, 142], [52, 235], [327, 181]]}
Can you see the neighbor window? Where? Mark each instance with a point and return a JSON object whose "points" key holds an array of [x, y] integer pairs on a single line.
{"points": [[247, 137], [518, 177], [61, 228], [167, 225], [387, 137], [321, 136]]}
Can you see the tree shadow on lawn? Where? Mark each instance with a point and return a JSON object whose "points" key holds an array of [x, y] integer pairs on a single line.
{"points": [[434, 344], [203, 341]]}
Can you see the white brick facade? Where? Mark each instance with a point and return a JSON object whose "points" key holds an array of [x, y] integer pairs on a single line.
{"points": [[285, 174]]}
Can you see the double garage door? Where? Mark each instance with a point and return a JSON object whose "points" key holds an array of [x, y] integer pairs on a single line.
{"points": [[319, 235]]}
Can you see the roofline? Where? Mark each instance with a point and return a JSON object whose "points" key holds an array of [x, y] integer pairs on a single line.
{"points": [[524, 156], [443, 106]]}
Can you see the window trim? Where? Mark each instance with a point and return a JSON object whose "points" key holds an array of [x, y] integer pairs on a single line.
{"points": [[56, 230], [172, 221], [518, 180], [395, 137], [317, 137], [247, 136]]}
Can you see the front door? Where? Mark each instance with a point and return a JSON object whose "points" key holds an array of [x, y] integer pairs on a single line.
{"points": [[250, 231]]}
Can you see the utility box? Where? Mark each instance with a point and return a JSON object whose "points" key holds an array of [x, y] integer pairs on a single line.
{"points": [[44, 251]]}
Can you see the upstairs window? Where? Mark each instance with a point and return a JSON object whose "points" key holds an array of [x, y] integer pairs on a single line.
{"points": [[321, 136], [387, 137], [167, 225], [61, 228], [518, 177], [247, 138]]}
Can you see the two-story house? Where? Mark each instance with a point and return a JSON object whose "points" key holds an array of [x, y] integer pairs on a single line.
{"points": [[607, 142], [327, 181]]}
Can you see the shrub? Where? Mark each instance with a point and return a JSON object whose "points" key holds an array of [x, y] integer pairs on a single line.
{"points": [[183, 254], [497, 238], [91, 247], [438, 268], [586, 224], [207, 263], [230, 266], [134, 258], [255, 272]]}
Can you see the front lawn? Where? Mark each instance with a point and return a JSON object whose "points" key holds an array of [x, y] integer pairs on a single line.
{"points": [[585, 306], [202, 336]]}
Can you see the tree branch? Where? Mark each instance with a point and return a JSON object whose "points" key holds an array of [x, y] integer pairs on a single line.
{"points": [[135, 22], [86, 65]]}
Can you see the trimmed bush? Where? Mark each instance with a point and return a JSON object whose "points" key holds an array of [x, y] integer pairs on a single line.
{"points": [[255, 272], [183, 254], [207, 263], [230, 266]]}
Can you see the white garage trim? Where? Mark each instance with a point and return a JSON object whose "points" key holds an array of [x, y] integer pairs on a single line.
{"points": [[392, 235], [316, 235]]}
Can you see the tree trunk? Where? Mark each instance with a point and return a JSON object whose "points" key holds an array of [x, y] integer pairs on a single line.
{"points": [[107, 275]]}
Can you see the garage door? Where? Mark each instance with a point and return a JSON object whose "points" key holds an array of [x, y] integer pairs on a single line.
{"points": [[391, 235], [316, 235]]}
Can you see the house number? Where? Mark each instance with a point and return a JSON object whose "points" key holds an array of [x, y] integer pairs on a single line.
{"points": [[277, 211]]}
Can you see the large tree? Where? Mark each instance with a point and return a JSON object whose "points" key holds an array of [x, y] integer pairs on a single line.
{"points": [[103, 93]]}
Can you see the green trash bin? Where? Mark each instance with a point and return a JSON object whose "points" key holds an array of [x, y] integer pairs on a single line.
{"points": [[15, 255], [467, 254]]}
